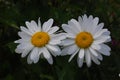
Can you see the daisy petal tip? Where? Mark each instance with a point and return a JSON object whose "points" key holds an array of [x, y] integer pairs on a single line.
{"points": [[22, 55], [51, 20], [108, 54], [39, 18], [29, 63], [69, 60], [50, 61], [35, 61], [63, 25], [80, 66], [21, 27], [15, 41], [88, 65], [98, 63]]}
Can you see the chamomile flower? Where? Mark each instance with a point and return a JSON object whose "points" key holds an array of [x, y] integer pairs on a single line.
{"points": [[86, 38], [37, 40]]}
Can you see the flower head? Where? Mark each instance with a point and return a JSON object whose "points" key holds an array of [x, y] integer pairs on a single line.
{"points": [[87, 38], [37, 40]]}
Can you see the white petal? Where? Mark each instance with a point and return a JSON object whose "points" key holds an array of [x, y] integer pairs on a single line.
{"points": [[99, 28], [54, 49], [95, 20], [81, 53], [47, 25], [96, 46], [106, 47], [104, 51], [47, 55], [99, 33], [22, 41], [89, 24], [94, 24], [80, 20], [88, 58], [25, 30], [100, 57], [53, 30], [24, 35], [68, 29], [59, 36], [18, 41], [78, 26], [53, 53], [85, 25], [80, 61], [24, 45], [54, 42], [35, 26], [26, 51], [39, 24], [74, 25], [101, 39], [90, 18], [65, 51], [37, 55], [30, 27], [95, 60], [70, 36], [93, 52], [72, 56], [69, 50], [29, 61], [17, 50], [106, 33], [50, 60], [108, 40], [67, 42], [33, 53], [84, 17]]}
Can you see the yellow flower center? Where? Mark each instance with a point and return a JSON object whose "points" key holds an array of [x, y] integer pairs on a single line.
{"points": [[84, 39], [40, 39]]}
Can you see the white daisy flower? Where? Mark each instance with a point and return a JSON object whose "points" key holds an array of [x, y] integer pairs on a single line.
{"points": [[37, 40], [87, 38]]}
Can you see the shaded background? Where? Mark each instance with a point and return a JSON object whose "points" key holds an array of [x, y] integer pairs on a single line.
{"points": [[14, 13]]}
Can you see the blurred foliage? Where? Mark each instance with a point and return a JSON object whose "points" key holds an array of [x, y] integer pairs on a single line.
{"points": [[14, 13]]}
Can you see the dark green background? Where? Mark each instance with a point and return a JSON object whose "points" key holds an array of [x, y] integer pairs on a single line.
{"points": [[14, 13]]}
